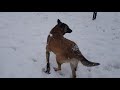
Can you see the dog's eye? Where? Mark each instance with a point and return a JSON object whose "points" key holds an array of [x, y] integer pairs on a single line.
{"points": [[62, 25]]}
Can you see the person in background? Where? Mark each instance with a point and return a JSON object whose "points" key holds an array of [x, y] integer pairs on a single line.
{"points": [[94, 15]]}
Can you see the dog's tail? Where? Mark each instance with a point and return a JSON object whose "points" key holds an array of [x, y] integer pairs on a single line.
{"points": [[87, 63]]}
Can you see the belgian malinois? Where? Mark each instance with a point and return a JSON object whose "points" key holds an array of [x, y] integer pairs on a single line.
{"points": [[64, 49]]}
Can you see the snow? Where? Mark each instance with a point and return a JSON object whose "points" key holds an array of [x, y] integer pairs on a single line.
{"points": [[23, 37]]}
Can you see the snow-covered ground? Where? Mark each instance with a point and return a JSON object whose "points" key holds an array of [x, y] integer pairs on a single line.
{"points": [[23, 39]]}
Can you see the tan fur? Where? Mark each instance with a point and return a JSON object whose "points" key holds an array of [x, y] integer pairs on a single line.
{"points": [[61, 46], [64, 49]]}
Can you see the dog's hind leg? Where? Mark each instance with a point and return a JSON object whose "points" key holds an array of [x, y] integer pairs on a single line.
{"points": [[58, 63], [59, 67], [48, 63], [74, 65]]}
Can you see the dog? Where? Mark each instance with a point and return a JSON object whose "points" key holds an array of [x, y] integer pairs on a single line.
{"points": [[64, 49]]}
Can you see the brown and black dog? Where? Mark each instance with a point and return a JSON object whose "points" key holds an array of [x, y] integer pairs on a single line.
{"points": [[64, 49]]}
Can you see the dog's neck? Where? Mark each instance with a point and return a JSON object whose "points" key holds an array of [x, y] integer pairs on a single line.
{"points": [[56, 33]]}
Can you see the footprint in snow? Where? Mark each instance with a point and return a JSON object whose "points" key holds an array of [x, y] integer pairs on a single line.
{"points": [[34, 60], [61, 74], [14, 48]]}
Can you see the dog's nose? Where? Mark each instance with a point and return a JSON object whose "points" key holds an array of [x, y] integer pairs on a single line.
{"points": [[70, 30]]}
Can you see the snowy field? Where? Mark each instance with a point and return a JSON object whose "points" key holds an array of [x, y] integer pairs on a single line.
{"points": [[23, 38]]}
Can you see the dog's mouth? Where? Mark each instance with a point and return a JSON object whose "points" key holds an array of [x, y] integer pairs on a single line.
{"points": [[69, 31]]}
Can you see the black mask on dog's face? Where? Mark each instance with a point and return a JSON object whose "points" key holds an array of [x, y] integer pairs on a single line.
{"points": [[64, 27]]}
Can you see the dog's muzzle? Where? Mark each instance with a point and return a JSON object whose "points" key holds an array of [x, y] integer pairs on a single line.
{"points": [[70, 31]]}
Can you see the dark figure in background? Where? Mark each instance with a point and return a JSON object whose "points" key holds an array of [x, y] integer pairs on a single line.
{"points": [[94, 15]]}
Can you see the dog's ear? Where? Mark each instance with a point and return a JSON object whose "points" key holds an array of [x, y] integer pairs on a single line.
{"points": [[59, 22]]}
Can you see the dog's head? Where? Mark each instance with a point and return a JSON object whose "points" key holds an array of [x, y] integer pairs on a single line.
{"points": [[64, 27]]}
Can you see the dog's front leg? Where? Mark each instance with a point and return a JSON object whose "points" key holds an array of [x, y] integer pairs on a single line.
{"points": [[48, 63]]}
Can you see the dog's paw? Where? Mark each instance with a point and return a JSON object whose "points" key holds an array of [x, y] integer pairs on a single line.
{"points": [[45, 71], [56, 69]]}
